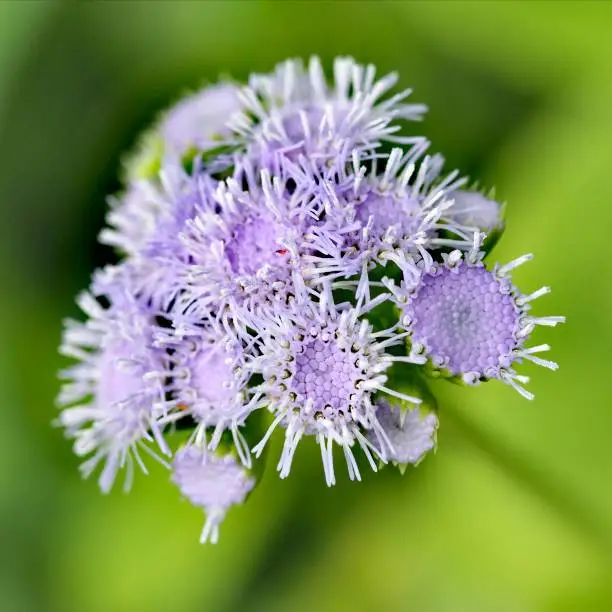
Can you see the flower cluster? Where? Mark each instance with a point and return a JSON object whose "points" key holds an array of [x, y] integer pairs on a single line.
{"points": [[291, 264]]}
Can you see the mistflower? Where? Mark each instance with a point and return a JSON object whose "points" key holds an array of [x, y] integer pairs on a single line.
{"points": [[291, 265], [133, 218], [107, 398], [199, 121], [245, 254], [401, 208], [374, 207], [145, 225], [411, 433], [208, 382], [212, 482], [194, 125], [473, 209], [472, 321], [294, 111], [476, 212], [321, 365]]}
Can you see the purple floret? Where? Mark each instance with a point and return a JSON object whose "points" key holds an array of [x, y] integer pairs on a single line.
{"points": [[471, 321], [212, 482], [109, 398]]}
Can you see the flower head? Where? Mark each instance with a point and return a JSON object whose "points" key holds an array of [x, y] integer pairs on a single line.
{"points": [[376, 209], [196, 123], [108, 399], [473, 209], [133, 218], [411, 433], [244, 255], [213, 482], [402, 207], [321, 366], [293, 111], [473, 321], [289, 264], [145, 225], [200, 120], [208, 382]]}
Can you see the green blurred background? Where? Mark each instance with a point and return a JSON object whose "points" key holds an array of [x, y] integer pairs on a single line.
{"points": [[514, 512]]}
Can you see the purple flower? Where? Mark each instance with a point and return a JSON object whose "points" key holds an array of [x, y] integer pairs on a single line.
{"points": [[215, 483], [108, 397], [263, 230], [321, 365], [400, 209], [294, 111], [244, 255], [472, 209], [200, 120], [411, 433], [473, 321], [133, 217], [145, 224], [378, 209], [358, 216], [196, 123], [208, 381]]}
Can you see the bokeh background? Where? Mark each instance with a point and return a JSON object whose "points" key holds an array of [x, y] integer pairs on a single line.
{"points": [[514, 512]]}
